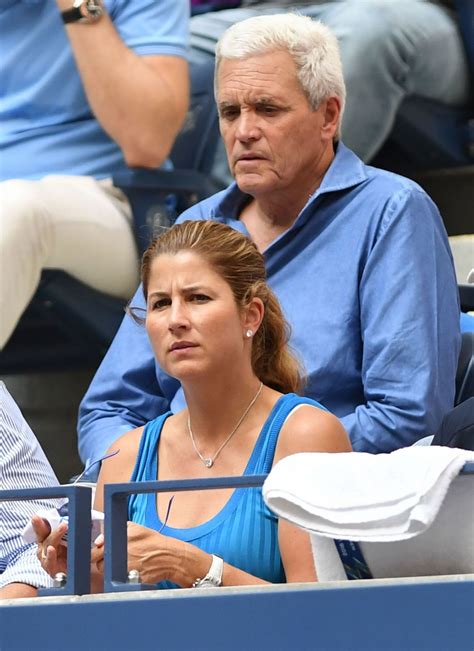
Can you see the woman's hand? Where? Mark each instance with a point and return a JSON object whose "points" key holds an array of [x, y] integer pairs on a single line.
{"points": [[156, 557], [51, 553], [148, 552]]}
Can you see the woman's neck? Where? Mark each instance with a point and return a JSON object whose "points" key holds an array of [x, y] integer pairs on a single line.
{"points": [[215, 407]]}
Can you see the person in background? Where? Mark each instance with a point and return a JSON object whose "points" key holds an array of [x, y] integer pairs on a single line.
{"points": [[214, 325], [22, 465], [88, 88], [390, 49], [358, 257]]}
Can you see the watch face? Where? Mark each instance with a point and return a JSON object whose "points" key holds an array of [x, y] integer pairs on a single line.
{"points": [[91, 9]]}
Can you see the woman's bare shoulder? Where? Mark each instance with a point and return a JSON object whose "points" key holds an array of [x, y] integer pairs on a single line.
{"points": [[311, 429], [119, 466], [124, 451]]}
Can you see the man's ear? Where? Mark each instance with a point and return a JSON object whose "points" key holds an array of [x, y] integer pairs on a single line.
{"points": [[253, 315], [332, 114]]}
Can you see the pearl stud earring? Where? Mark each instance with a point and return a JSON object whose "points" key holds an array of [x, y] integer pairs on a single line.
{"points": [[249, 333]]}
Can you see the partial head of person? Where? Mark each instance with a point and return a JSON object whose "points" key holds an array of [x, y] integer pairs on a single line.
{"points": [[209, 307], [280, 94]]}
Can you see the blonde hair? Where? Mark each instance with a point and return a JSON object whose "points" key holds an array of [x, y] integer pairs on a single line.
{"points": [[312, 45], [238, 261]]}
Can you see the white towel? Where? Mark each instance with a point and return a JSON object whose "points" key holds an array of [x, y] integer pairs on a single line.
{"points": [[364, 497]]}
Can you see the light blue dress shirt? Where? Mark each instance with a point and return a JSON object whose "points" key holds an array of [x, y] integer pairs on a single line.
{"points": [[46, 124], [22, 465], [366, 279]]}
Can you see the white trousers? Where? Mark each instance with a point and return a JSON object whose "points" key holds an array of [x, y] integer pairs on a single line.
{"points": [[73, 223]]}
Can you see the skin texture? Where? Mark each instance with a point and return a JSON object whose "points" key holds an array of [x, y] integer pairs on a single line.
{"points": [[140, 101], [17, 590], [278, 148]]}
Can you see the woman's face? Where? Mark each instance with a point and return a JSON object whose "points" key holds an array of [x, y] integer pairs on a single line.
{"points": [[193, 322]]}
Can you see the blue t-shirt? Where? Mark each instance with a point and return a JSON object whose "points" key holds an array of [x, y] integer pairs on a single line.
{"points": [[244, 532], [46, 124]]}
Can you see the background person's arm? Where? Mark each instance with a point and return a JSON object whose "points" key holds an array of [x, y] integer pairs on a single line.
{"points": [[125, 392], [410, 328], [17, 590], [23, 464], [138, 94]]}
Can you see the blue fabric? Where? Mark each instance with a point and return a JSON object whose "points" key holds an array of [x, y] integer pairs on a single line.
{"points": [[366, 279], [244, 532], [46, 125], [467, 322]]}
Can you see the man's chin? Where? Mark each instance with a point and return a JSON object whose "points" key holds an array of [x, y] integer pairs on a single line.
{"points": [[251, 183]]}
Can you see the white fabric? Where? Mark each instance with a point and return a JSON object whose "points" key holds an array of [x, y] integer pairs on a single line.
{"points": [[74, 223], [363, 497], [23, 464]]}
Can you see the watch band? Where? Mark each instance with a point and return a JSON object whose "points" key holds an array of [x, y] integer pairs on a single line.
{"points": [[213, 578], [72, 15], [83, 11]]}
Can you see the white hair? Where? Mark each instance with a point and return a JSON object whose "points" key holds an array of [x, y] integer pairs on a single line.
{"points": [[312, 45]]}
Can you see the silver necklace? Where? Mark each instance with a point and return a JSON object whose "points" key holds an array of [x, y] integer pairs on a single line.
{"points": [[209, 461]]}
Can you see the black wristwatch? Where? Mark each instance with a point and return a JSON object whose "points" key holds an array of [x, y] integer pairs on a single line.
{"points": [[84, 11]]}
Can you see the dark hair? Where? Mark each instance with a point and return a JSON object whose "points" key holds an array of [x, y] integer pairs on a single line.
{"points": [[238, 261]]}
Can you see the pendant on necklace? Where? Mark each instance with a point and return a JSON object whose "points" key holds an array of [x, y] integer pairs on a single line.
{"points": [[208, 462]]}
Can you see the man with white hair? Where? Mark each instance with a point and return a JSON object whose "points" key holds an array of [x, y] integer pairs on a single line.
{"points": [[390, 49], [358, 257]]}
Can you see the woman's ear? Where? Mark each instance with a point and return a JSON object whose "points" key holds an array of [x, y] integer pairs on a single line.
{"points": [[253, 315]]}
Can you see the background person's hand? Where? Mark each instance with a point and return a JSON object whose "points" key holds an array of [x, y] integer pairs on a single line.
{"points": [[51, 553]]}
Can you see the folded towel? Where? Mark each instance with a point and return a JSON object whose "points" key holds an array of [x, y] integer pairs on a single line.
{"points": [[364, 497]]}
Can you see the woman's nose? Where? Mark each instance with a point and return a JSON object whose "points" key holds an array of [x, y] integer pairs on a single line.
{"points": [[178, 317]]}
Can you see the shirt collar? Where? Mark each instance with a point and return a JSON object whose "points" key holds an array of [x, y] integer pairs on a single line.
{"points": [[345, 171]]}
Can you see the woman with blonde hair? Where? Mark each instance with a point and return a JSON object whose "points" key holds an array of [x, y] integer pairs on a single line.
{"points": [[216, 326]]}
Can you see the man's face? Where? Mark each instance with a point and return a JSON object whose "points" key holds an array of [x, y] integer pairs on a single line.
{"points": [[274, 140]]}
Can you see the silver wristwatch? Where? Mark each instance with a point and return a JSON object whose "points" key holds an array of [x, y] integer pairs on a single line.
{"points": [[213, 578], [83, 11]]}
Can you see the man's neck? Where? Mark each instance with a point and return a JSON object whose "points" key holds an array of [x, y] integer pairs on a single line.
{"points": [[267, 217]]}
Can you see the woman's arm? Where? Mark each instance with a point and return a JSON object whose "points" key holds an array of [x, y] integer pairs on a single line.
{"points": [[307, 429], [119, 467]]}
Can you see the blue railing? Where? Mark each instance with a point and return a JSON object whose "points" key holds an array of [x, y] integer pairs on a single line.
{"points": [[115, 530]]}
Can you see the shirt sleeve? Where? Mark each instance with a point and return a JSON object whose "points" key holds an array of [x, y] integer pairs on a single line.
{"points": [[151, 27], [409, 309], [23, 464], [24, 567]]}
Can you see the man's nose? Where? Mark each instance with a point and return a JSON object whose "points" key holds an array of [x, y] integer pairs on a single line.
{"points": [[248, 127]]}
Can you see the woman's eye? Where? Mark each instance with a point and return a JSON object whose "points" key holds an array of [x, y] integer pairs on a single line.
{"points": [[200, 298], [160, 303]]}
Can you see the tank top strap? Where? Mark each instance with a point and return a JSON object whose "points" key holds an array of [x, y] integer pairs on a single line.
{"points": [[269, 436], [146, 464]]}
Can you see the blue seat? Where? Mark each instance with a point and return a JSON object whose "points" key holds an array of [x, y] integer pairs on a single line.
{"points": [[70, 325]]}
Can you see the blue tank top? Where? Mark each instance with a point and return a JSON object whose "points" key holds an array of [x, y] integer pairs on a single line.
{"points": [[244, 532]]}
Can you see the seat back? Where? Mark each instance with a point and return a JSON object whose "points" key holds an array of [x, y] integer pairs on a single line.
{"points": [[446, 547], [465, 370]]}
